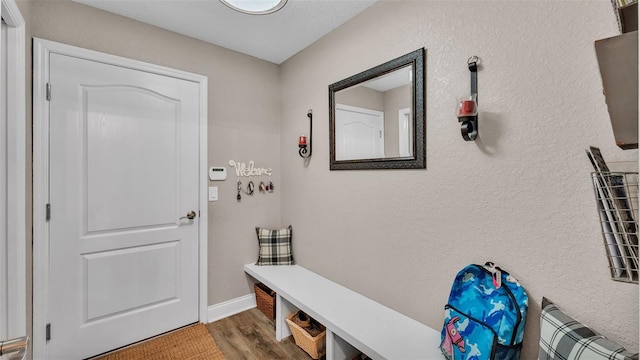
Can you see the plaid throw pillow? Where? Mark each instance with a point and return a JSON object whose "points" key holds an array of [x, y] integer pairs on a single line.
{"points": [[563, 338], [275, 246]]}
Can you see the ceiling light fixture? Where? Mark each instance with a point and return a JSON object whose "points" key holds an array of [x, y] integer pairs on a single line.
{"points": [[255, 7]]}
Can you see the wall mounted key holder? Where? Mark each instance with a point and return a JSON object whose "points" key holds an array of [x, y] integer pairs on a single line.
{"points": [[250, 170]]}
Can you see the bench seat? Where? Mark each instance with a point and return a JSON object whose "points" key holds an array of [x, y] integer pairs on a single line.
{"points": [[354, 322]]}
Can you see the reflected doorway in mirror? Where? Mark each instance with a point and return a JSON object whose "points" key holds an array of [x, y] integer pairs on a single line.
{"points": [[359, 133]]}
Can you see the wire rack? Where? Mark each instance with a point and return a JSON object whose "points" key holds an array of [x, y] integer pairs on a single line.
{"points": [[617, 201]]}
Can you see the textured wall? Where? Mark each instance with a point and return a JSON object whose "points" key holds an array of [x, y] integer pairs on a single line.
{"points": [[520, 195], [243, 109]]}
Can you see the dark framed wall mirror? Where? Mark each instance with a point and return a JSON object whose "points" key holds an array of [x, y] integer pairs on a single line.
{"points": [[377, 119]]}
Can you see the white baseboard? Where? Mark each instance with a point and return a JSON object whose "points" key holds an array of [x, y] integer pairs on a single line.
{"points": [[231, 307]]}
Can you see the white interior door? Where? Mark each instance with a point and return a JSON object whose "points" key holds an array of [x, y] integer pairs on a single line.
{"points": [[123, 175], [359, 133]]}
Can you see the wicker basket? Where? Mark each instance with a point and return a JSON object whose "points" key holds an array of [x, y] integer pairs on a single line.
{"points": [[314, 346], [265, 300]]}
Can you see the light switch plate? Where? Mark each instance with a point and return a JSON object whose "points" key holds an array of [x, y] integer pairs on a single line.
{"points": [[213, 193]]}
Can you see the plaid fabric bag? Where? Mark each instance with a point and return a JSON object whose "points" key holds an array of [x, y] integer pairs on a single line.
{"points": [[485, 315]]}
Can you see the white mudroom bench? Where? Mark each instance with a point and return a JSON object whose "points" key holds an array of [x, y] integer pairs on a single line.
{"points": [[354, 322]]}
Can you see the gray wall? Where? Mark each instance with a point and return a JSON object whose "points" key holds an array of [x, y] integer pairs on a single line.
{"points": [[520, 195], [361, 96]]}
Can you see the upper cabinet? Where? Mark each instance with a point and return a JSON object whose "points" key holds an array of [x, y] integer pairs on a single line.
{"points": [[618, 62]]}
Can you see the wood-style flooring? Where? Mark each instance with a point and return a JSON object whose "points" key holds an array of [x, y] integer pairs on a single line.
{"points": [[250, 335]]}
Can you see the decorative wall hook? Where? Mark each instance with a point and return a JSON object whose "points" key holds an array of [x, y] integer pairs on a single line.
{"points": [[303, 143], [467, 111]]}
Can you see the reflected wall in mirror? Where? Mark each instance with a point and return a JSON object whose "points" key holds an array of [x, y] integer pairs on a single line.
{"points": [[376, 117]]}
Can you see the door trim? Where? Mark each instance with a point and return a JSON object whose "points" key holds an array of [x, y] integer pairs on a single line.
{"points": [[16, 171], [41, 51]]}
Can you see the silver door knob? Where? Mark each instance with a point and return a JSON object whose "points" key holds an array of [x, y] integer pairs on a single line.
{"points": [[190, 215], [15, 348]]}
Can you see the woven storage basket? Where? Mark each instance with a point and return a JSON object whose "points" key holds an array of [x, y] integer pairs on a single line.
{"points": [[265, 300], [314, 346]]}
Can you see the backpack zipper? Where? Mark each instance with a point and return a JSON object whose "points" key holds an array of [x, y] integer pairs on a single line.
{"points": [[513, 300]]}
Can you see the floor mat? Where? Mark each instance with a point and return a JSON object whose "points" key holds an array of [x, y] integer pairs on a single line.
{"points": [[190, 343]]}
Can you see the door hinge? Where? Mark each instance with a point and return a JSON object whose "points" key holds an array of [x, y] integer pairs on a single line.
{"points": [[48, 332], [48, 91], [48, 212]]}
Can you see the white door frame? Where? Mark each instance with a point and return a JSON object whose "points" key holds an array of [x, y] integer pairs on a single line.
{"points": [[41, 51], [16, 170], [405, 133]]}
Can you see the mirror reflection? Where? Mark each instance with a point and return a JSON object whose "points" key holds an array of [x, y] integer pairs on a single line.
{"points": [[373, 118], [376, 117]]}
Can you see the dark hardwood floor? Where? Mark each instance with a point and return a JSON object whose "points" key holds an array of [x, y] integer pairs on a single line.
{"points": [[250, 335]]}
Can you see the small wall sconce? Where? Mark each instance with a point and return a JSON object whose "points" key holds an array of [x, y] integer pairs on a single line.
{"points": [[303, 142], [467, 111]]}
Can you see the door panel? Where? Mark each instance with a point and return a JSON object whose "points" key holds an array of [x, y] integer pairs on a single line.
{"points": [[123, 171], [158, 281], [117, 118], [359, 133]]}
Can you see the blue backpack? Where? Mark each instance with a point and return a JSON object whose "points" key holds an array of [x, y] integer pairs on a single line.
{"points": [[485, 315]]}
